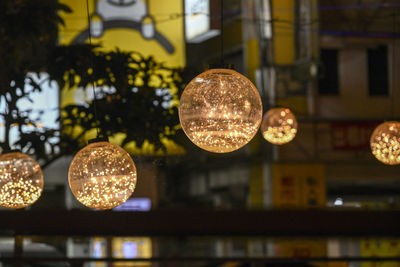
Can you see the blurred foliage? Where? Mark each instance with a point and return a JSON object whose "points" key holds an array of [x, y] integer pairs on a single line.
{"points": [[28, 34], [136, 95]]}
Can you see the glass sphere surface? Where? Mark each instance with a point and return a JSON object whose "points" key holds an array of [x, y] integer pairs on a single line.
{"points": [[21, 180], [220, 110], [385, 142], [279, 126], [102, 175]]}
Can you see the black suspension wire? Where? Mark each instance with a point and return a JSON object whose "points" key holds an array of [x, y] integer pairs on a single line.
{"points": [[392, 93], [147, 7], [263, 58], [92, 66], [222, 30], [7, 121]]}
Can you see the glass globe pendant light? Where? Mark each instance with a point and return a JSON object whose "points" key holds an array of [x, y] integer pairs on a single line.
{"points": [[279, 126], [102, 175], [21, 180], [220, 110], [385, 139], [385, 142]]}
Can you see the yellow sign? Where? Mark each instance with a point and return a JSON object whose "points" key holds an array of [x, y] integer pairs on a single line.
{"points": [[283, 15], [380, 248], [150, 27], [123, 248], [299, 186], [131, 248], [300, 249]]}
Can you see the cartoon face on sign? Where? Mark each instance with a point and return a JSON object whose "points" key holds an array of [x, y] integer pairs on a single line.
{"points": [[124, 14], [122, 2], [143, 26]]}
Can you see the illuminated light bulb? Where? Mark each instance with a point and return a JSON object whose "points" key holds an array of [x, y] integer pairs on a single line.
{"points": [[102, 175], [279, 126], [220, 110], [21, 180], [385, 142]]}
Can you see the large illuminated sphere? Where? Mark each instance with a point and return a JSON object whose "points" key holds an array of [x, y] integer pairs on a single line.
{"points": [[385, 142], [220, 110], [279, 126], [102, 175], [21, 180]]}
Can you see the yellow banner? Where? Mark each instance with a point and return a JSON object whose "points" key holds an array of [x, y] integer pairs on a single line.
{"points": [[283, 15], [152, 28], [133, 26], [299, 186], [130, 248], [380, 248]]}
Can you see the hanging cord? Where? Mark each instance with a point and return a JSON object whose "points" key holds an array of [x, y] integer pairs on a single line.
{"points": [[393, 64], [222, 30], [263, 58], [92, 66], [147, 8], [7, 118]]}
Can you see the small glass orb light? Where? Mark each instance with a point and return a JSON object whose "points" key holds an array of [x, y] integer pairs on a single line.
{"points": [[385, 142], [21, 180], [279, 126], [102, 175], [220, 110]]}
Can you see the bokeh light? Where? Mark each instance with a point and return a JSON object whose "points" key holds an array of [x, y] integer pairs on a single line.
{"points": [[220, 110], [21, 180], [102, 175], [279, 126], [385, 142]]}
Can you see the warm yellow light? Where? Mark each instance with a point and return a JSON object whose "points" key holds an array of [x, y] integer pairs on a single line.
{"points": [[279, 126], [220, 110], [385, 142], [102, 176], [21, 180]]}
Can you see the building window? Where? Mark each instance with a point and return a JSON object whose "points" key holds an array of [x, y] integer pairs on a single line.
{"points": [[378, 71], [328, 83]]}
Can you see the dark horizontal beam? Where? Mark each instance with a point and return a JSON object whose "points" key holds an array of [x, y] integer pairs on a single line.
{"points": [[274, 223], [203, 259], [364, 190]]}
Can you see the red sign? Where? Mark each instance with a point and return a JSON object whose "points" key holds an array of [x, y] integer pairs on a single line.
{"points": [[351, 135]]}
